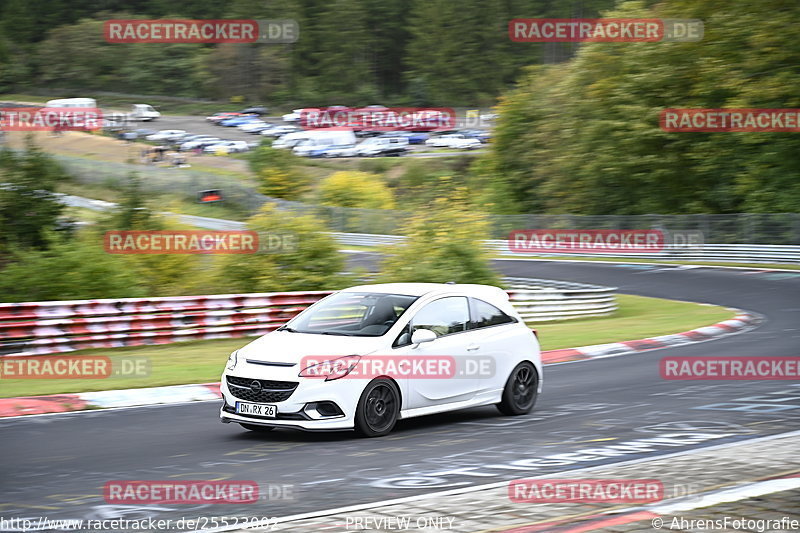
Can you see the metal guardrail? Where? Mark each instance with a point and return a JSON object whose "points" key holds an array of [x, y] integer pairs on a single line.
{"points": [[34, 328], [541, 300], [728, 253], [732, 253], [749, 253], [754, 228]]}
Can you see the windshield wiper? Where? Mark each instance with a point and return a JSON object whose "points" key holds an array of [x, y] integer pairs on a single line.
{"points": [[286, 328], [337, 333]]}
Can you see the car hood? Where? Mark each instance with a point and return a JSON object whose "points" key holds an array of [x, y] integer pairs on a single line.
{"points": [[286, 347]]}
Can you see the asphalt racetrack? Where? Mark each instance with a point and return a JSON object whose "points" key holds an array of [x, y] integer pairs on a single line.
{"points": [[612, 409]]}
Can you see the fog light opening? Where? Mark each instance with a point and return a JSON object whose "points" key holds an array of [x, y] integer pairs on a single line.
{"points": [[325, 409]]}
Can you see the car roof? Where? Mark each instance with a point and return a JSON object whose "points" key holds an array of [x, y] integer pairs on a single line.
{"points": [[421, 289]]}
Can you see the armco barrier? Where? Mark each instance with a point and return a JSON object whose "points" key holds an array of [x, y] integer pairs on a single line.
{"points": [[540, 300], [750, 253], [741, 253], [34, 328]]}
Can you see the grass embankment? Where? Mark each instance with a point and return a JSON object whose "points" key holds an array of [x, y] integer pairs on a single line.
{"points": [[202, 361]]}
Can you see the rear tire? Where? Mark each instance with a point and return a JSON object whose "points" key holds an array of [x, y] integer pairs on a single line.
{"points": [[256, 427], [521, 390], [378, 408]]}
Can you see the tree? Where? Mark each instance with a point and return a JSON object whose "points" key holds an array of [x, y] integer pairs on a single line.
{"points": [[355, 189], [444, 243], [307, 257], [584, 137], [341, 59], [278, 173], [72, 270], [132, 213], [29, 207]]}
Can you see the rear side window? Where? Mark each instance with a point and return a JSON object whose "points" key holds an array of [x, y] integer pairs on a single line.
{"points": [[485, 315]]}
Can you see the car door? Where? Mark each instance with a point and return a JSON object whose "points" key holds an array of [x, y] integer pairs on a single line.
{"points": [[448, 317], [495, 339]]}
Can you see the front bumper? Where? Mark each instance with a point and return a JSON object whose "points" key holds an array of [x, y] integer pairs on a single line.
{"points": [[295, 412]]}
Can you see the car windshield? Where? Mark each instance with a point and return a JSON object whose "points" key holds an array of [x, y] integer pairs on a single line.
{"points": [[355, 314]]}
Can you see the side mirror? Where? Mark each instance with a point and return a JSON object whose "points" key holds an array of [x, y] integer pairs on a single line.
{"points": [[422, 335]]}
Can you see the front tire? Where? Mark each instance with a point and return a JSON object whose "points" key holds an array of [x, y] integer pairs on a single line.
{"points": [[256, 428], [378, 408], [521, 390]]}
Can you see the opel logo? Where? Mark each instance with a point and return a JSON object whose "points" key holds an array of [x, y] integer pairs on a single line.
{"points": [[255, 386]]}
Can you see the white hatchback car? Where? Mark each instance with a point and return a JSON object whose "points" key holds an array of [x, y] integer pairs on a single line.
{"points": [[364, 357]]}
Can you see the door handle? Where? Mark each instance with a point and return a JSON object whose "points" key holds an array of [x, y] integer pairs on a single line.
{"points": [[472, 347]]}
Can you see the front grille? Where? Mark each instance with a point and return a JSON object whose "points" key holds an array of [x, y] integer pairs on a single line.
{"points": [[271, 391]]}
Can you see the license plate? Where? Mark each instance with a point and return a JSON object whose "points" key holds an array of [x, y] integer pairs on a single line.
{"points": [[257, 409]]}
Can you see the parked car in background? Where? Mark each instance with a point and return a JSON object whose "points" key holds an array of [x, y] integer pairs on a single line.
{"points": [[199, 142], [313, 151], [315, 140], [143, 112], [412, 136], [294, 116], [290, 140], [217, 117], [238, 121], [328, 117], [226, 147], [166, 135], [72, 102], [457, 141], [278, 131], [482, 135], [341, 150], [383, 146], [256, 126], [141, 133], [255, 110]]}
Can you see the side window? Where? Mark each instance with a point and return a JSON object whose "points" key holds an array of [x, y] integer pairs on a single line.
{"points": [[485, 315], [443, 316]]}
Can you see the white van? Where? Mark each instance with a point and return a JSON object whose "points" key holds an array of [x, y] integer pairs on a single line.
{"points": [[290, 140], [72, 102], [323, 138]]}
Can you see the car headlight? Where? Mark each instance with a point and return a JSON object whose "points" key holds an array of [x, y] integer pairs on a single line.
{"points": [[232, 360], [333, 369]]}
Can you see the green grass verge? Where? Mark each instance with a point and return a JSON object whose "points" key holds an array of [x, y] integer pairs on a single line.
{"points": [[637, 318], [202, 361]]}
